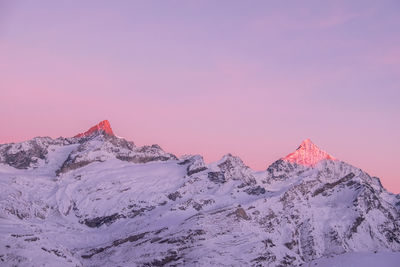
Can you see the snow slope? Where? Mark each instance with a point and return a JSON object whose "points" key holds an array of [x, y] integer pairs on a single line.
{"points": [[364, 259]]}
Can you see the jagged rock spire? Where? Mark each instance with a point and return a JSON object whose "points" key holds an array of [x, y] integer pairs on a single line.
{"points": [[102, 127]]}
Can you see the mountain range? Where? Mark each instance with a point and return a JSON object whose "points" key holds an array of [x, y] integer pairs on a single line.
{"points": [[96, 199]]}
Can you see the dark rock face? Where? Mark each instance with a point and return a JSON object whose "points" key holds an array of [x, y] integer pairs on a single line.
{"points": [[143, 159], [138, 211], [165, 257], [229, 164], [27, 154], [233, 168], [240, 213], [356, 224], [155, 149], [184, 162], [23, 158], [258, 190], [265, 259], [172, 256], [191, 172], [216, 177], [287, 261], [70, 164], [146, 154], [120, 142], [195, 164], [99, 221], [398, 202], [307, 242], [116, 243], [55, 252], [174, 196], [329, 186], [282, 170]]}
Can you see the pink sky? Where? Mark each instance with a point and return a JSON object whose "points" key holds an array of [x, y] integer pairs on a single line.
{"points": [[210, 78]]}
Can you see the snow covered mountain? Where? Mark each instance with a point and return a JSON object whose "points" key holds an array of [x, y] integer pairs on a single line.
{"points": [[97, 199]]}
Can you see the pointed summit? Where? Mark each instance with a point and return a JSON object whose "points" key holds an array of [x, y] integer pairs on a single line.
{"points": [[307, 154], [102, 127]]}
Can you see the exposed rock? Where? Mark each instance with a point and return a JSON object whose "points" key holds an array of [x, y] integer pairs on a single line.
{"points": [[329, 186], [240, 213], [116, 243], [174, 196], [99, 221], [26, 154], [233, 168], [282, 170], [257, 190], [216, 177], [195, 164], [172, 256]]}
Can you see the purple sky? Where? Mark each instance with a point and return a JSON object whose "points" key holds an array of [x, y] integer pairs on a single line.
{"points": [[209, 77]]}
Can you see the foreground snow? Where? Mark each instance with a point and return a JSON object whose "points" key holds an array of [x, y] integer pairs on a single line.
{"points": [[359, 259]]}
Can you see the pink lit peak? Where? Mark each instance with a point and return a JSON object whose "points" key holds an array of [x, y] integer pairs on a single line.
{"points": [[308, 154], [103, 126]]}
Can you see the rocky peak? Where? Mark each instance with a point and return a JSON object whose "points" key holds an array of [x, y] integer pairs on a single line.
{"points": [[231, 159], [195, 163], [307, 154], [229, 162], [102, 127], [233, 168]]}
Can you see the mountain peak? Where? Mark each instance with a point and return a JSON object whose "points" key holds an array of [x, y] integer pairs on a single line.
{"points": [[307, 154], [102, 127]]}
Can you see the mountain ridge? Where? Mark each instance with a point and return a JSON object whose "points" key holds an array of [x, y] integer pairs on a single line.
{"points": [[307, 153], [143, 206]]}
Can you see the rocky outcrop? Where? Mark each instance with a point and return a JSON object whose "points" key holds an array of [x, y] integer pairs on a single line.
{"points": [[30, 153], [195, 164], [233, 168]]}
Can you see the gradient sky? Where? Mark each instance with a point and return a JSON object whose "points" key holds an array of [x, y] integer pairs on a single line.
{"points": [[209, 77]]}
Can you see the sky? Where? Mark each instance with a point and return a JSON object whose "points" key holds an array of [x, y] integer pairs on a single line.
{"points": [[209, 77]]}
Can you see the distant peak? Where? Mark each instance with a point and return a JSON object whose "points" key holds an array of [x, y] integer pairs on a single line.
{"points": [[308, 154], [102, 127], [230, 157]]}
